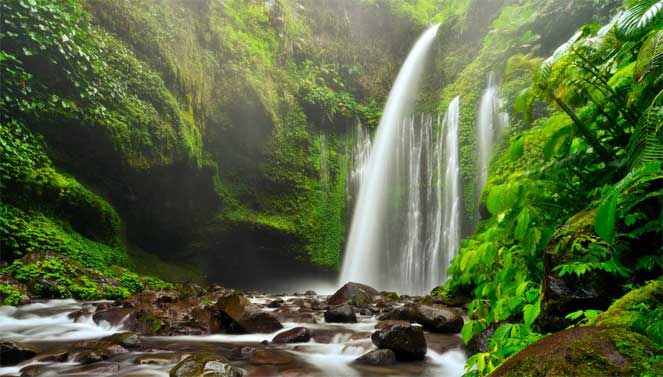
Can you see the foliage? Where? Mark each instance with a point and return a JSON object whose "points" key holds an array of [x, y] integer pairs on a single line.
{"points": [[10, 294]]}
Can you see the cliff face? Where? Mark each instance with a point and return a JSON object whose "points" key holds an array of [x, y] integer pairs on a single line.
{"points": [[215, 133]]}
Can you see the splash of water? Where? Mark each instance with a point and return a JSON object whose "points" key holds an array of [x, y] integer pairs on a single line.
{"points": [[363, 255]]}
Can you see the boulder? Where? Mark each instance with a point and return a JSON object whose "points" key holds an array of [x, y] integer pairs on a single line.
{"points": [[435, 319], [125, 339], [390, 323], [232, 304], [359, 294], [13, 353], [258, 321], [113, 316], [208, 365], [340, 314], [407, 341], [296, 335], [585, 351], [378, 357], [479, 342], [276, 303], [439, 320]]}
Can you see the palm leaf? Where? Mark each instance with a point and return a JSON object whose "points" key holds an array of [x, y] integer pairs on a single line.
{"points": [[650, 57], [646, 143], [638, 19]]}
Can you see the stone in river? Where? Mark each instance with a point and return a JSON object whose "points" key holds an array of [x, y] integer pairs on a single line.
{"points": [[296, 335], [359, 294], [378, 357], [13, 353], [407, 341], [340, 314]]}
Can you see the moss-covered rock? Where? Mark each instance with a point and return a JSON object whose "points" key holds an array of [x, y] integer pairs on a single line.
{"points": [[640, 310], [585, 351], [572, 292]]}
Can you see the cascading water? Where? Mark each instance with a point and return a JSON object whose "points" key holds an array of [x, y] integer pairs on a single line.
{"points": [[490, 121], [381, 190], [451, 201]]}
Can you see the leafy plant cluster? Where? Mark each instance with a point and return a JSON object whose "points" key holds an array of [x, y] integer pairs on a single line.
{"points": [[587, 148]]}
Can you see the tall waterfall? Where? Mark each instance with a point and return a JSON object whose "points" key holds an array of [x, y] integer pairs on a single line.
{"points": [[489, 123], [373, 240], [452, 196]]}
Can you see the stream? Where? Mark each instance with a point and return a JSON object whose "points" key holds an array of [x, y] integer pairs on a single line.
{"points": [[59, 331]]}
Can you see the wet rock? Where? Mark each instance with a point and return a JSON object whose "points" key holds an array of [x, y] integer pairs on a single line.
{"points": [[378, 357], [296, 335], [407, 341], [90, 356], [439, 320], [233, 305], [125, 339], [113, 316], [479, 342], [208, 365], [276, 303], [243, 352], [33, 370], [55, 356], [433, 319], [341, 314], [267, 357], [310, 293], [82, 312], [13, 353], [359, 294], [390, 323], [258, 321]]}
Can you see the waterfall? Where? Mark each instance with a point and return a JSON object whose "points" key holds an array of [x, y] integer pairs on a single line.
{"points": [[452, 197], [360, 145], [376, 220], [489, 124]]}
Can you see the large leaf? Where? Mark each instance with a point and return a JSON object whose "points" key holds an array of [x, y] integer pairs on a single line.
{"points": [[605, 218], [530, 312], [638, 19], [650, 57]]}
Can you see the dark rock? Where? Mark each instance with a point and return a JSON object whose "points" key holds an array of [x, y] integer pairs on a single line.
{"points": [[205, 365], [90, 356], [267, 357], [296, 335], [13, 353], [276, 303], [340, 314], [433, 319], [479, 342], [378, 357], [359, 294], [439, 320], [54, 356], [233, 305], [258, 321], [389, 323], [407, 341], [310, 293]]}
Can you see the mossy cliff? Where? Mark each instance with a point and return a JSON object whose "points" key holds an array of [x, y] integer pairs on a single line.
{"points": [[210, 134]]}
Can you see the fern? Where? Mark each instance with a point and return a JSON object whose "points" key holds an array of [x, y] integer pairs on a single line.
{"points": [[650, 57], [639, 18], [646, 142]]}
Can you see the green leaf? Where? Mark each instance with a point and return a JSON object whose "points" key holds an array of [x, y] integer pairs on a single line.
{"points": [[605, 218], [522, 223], [530, 312]]}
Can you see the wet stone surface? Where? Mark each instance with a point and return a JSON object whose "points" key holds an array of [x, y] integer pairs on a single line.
{"points": [[221, 333]]}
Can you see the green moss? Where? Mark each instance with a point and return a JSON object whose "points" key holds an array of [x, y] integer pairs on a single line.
{"points": [[640, 310], [9, 294]]}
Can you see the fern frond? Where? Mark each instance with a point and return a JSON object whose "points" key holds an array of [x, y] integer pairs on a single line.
{"points": [[637, 20], [646, 143], [650, 57]]}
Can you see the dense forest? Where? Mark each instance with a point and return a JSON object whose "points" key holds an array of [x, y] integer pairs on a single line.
{"points": [[179, 156]]}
